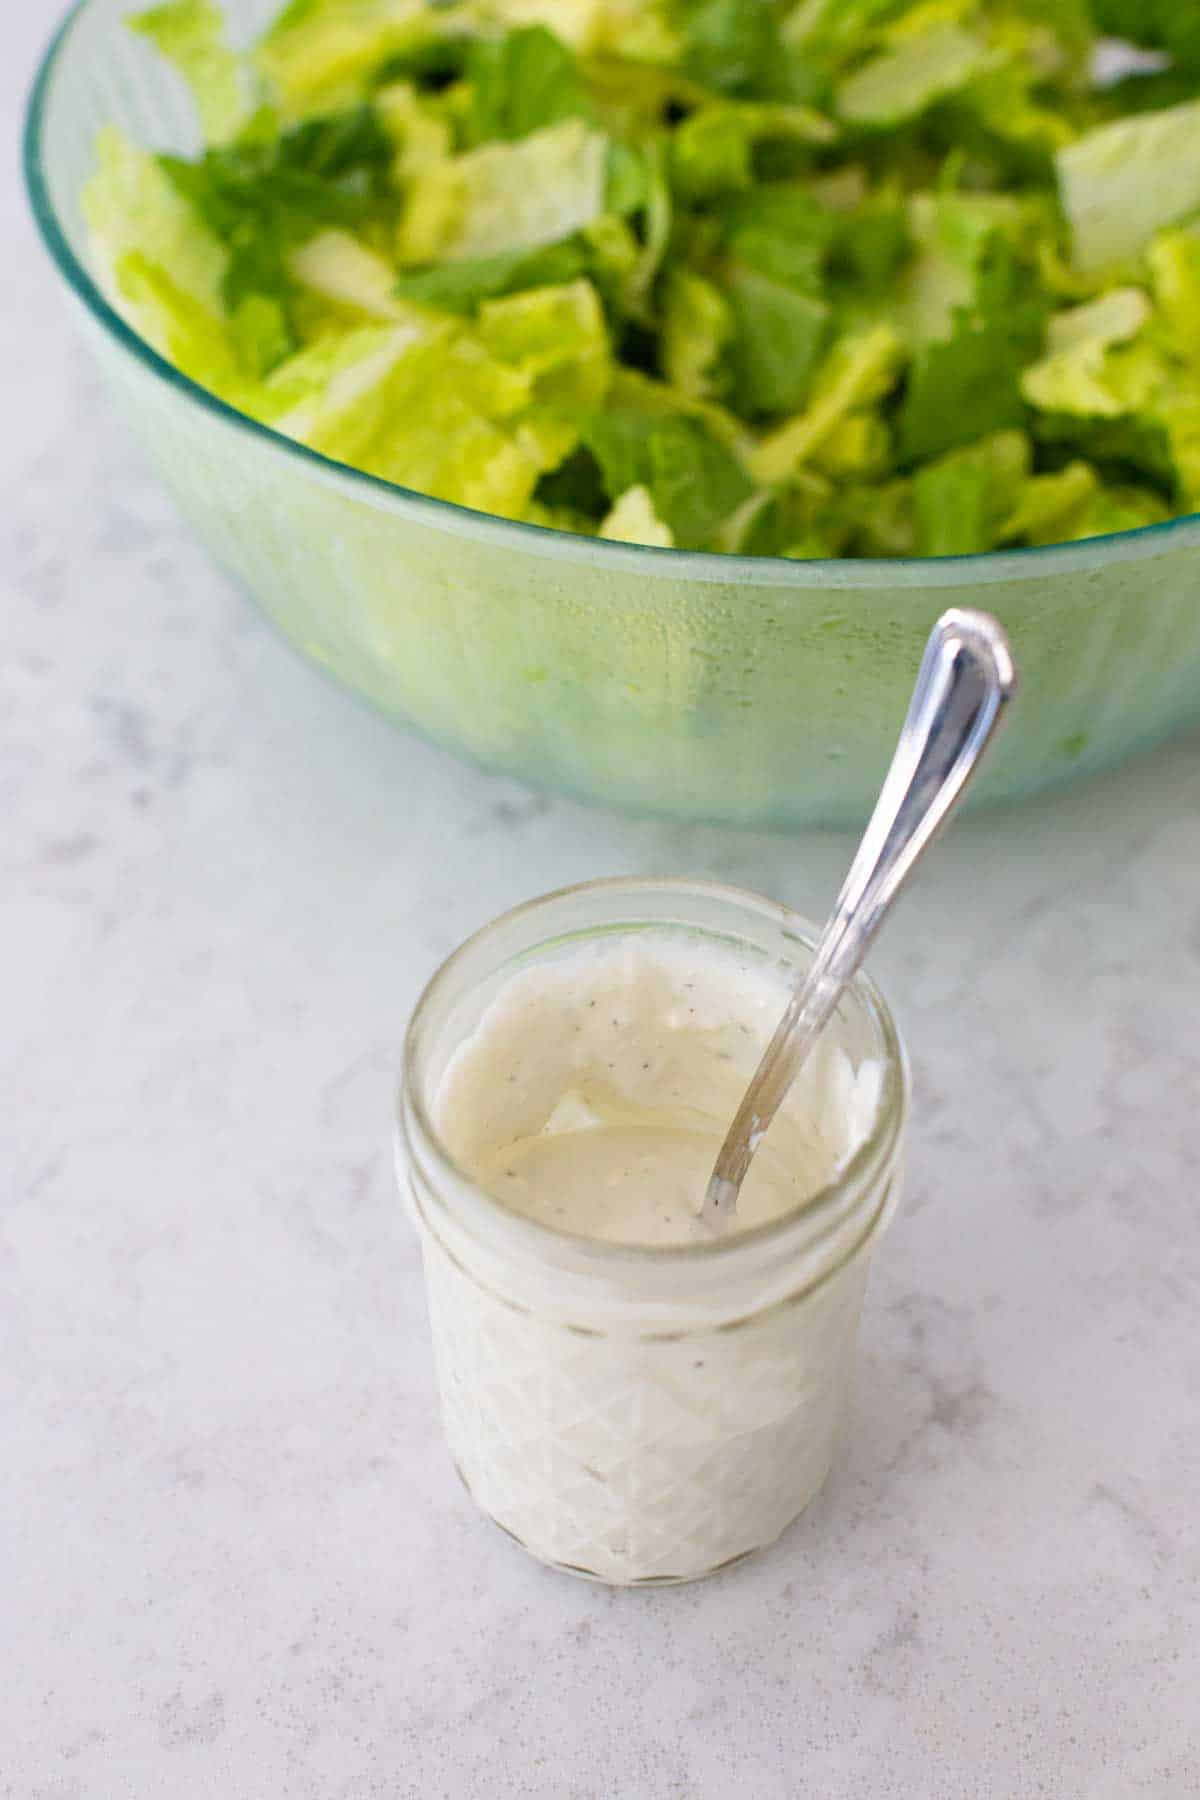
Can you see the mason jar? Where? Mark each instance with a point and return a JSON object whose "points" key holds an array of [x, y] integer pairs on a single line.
{"points": [[642, 1415]]}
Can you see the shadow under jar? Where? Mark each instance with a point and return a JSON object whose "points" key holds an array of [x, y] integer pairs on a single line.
{"points": [[641, 1414]]}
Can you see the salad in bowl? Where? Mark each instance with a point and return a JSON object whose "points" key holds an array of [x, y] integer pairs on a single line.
{"points": [[617, 390], [844, 278]]}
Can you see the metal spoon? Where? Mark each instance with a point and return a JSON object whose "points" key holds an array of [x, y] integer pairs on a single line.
{"points": [[966, 678]]}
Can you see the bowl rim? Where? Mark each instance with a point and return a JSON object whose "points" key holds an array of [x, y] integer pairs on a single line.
{"points": [[778, 572]]}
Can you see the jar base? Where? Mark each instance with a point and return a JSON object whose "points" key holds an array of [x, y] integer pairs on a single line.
{"points": [[632, 1581]]}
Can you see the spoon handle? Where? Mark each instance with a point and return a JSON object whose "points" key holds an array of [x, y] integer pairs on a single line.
{"points": [[966, 678]]}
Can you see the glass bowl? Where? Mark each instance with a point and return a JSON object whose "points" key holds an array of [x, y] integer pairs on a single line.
{"points": [[695, 686]]}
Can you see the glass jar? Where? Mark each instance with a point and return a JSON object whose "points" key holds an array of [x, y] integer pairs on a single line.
{"points": [[635, 1414]]}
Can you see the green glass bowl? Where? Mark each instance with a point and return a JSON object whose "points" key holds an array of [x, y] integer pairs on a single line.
{"points": [[695, 686]]}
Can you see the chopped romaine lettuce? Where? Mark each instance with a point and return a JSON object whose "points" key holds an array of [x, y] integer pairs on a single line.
{"points": [[132, 205], [1112, 509], [322, 55], [556, 335], [191, 34], [694, 481], [1174, 261], [345, 272], [1047, 504], [960, 499], [858, 372], [521, 82], [697, 329], [774, 277], [713, 149], [633, 520], [506, 197], [903, 80], [779, 334], [1127, 180]]}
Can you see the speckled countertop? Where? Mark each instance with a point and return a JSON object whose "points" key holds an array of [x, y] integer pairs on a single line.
{"points": [[234, 1560]]}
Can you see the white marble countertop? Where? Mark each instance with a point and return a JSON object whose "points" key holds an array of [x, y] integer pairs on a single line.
{"points": [[234, 1560]]}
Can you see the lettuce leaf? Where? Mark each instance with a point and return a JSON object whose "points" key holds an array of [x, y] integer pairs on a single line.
{"points": [[1112, 509], [693, 481], [506, 197], [870, 244], [1174, 263], [558, 337], [421, 130], [961, 499], [713, 150], [697, 328], [520, 83], [967, 384], [779, 335], [1121, 184], [633, 520], [581, 24], [859, 370], [263, 199], [336, 395], [131, 205], [191, 34], [795, 277], [1075, 377], [779, 230], [459, 287], [189, 334], [961, 388], [736, 47], [861, 445], [422, 404], [322, 55], [878, 519], [344, 271], [1178, 412], [1047, 505], [905, 79]]}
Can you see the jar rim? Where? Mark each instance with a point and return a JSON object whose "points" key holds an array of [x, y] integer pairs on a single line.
{"points": [[417, 1135]]}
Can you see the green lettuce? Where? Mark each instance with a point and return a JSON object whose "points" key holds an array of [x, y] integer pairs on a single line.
{"points": [[961, 500], [506, 197], [558, 337], [903, 80], [1072, 377], [1174, 265], [191, 34], [774, 277], [1047, 505], [633, 520], [521, 83], [1124, 182], [780, 333], [423, 404], [322, 55], [132, 205], [694, 482], [857, 372], [697, 329], [265, 198], [1112, 509], [737, 47], [713, 150]]}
